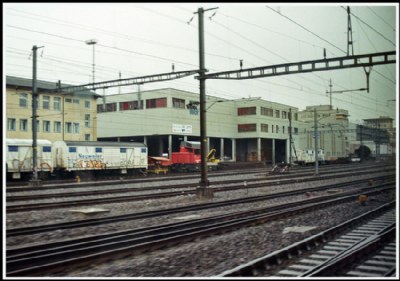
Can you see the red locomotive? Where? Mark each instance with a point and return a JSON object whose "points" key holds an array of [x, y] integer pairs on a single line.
{"points": [[187, 159]]}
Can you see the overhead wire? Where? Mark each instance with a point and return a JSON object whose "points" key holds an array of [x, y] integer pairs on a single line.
{"points": [[391, 27], [377, 32], [321, 38], [115, 34], [251, 42], [170, 18], [326, 41]]}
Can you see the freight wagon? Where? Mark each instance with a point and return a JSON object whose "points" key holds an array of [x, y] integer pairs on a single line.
{"points": [[74, 158], [19, 158], [307, 157], [82, 157]]}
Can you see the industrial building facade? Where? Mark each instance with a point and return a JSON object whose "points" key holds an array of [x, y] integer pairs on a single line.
{"points": [[248, 129]]}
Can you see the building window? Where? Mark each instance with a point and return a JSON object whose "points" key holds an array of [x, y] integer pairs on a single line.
{"points": [[296, 131], [68, 127], [264, 128], [23, 125], [56, 103], [267, 111], [110, 107], [246, 111], [178, 103], [46, 102], [101, 108], [277, 128], [87, 120], [11, 124], [125, 105], [284, 115], [242, 128], [57, 127], [156, 103], [68, 100], [277, 113], [87, 138], [295, 116], [46, 126], [87, 104], [130, 105], [75, 101], [23, 100], [283, 129], [137, 104], [75, 128]]}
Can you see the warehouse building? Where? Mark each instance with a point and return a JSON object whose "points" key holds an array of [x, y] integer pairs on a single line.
{"points": [[248, 129]]}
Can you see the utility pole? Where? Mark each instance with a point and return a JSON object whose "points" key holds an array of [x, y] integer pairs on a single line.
{"points": [[330, 93], [377, 139], [35, 180], [63, 110], [290, 136], [316, 141], [203, 135]]}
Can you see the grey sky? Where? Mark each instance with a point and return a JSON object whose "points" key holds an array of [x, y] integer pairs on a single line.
{"points": [[146, 38]]}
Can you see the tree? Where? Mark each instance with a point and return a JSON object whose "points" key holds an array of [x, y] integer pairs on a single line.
{"points": [[363, 152]]}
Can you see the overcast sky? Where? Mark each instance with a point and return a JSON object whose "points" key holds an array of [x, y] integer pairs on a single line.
{"points": [[137, 39]]}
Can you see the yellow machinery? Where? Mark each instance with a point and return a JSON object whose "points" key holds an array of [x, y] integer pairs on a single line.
{"points": [[211, 156], [212, 162]]}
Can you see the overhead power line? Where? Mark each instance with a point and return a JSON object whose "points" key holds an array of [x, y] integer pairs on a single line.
{"points": [[308, 30], [384, 37], [391, 27]]}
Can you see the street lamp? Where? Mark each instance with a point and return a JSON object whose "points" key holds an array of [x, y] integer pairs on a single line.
{"points": [[92, 42]]}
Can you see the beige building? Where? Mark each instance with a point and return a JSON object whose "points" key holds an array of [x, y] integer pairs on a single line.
{"points": [[332, 129], [381, 136], [60, 116]]}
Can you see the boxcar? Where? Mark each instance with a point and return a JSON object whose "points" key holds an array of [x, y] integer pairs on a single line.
{"points": [[118, 157], [19, 158]]}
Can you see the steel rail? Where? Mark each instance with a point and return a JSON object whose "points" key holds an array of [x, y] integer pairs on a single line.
{"points": [[36, 263]]}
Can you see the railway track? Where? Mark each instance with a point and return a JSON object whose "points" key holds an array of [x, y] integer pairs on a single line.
{"points": [[42, 259], [108, 200], [295, 171], [361, 247], [190, 190], [197, 207]]}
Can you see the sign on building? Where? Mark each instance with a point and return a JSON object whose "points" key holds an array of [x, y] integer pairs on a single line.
{"points": [[181, 129]]}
